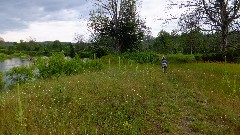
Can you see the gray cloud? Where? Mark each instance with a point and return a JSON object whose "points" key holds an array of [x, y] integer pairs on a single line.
{"points": [[16, 14]]}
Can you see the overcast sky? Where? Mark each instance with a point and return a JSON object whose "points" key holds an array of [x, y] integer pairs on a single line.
{"points": [[49, 20]]}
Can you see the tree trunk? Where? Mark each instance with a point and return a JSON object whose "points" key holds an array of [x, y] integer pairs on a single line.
{"points": [[224, 38]]}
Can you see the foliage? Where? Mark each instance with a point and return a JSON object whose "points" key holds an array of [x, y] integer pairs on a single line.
{"points": [[73, 66], [198, 57], [20, 74], [93, 65], [213, 57], [57, 65], [85, 54], [20, 55], [57, 46], [180, 58], [52, 66], [142, 57], [71, 51], [163, 43], [110, 59], [193, 42], [99, 51], [190, 99], [215, 16], [119, 21], [3, 56], [1, 81]]}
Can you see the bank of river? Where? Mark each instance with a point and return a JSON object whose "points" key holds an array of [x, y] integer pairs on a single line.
{"points": [[7, 64]]}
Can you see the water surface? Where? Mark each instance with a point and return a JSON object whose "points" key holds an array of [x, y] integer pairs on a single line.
{"points": [[13, 62]]}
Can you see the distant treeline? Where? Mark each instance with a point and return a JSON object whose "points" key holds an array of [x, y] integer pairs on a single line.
{"points": [[32, 48], [204, 46]]}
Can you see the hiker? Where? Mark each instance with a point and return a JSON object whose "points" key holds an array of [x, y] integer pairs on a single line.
{"points": [[164, 64]]}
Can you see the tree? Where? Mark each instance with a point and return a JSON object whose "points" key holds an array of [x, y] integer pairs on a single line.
{"points": [[71, 50], [193, 42], [216, 15], [223, 14], [119, 21], [57, 46], [163, 42]]}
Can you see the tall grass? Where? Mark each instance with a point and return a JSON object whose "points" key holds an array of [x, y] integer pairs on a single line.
{"points": [[20, 74], [2, 83], [20, 55], [4, 56], [132, 99], [57, 65]]}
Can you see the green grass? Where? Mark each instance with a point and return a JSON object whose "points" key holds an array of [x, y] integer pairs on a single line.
{"points": [[3, 56], [133, 99], [20, 55]]}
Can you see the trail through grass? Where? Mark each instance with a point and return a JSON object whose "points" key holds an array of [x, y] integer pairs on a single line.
{"points": [[132, 99]]}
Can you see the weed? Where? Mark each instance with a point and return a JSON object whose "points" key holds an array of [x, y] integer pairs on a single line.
{"points": [[137, 99]]}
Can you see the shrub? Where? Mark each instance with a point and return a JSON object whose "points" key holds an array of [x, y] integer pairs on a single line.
{"points": [[20, 55], [3, 50], [198, 57], [42, 67], [100, 52], [237, 59], [73, 66], [85, 54], [93, 65], [52, 66], [142, 57], [113, 59], [20, 74], [3, 56], [180, 58], [213, 57], [57, 65]]}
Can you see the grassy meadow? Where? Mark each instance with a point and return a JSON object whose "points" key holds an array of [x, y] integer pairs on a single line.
{"points": [[193, 98]]}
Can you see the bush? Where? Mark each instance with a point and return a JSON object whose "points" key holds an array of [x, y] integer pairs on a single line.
{"points": [[198, 57], [100, 52], [85, 54], [57, 65], [73, 66], [214, 57], [20, 74], [20, 55], [3, 56], [180, 58], [113, 59], [42, 67], [237, 60], [52, 66], [93, 65], [143, 57], [4, 50]]}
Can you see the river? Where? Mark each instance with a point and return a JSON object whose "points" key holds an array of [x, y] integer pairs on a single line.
{"points": [[13, 62], [7, 64]]}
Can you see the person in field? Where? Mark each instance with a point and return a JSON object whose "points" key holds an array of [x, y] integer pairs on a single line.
{"points": [[164, 64]]}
